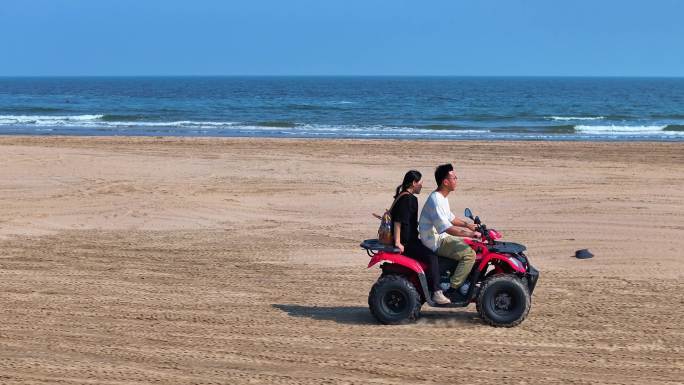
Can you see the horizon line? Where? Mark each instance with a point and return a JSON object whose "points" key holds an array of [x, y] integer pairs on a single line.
{"points": [[341, 76]]}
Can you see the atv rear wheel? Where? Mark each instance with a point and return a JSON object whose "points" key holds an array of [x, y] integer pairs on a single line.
{"points": [[394, 300], [504, 300]]}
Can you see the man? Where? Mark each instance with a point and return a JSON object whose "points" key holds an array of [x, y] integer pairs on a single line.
{"points": [[440, 229]]}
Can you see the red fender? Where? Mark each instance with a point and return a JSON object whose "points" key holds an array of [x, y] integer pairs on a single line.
{"points": [[505, 259], [402, 260], [484, 256]]}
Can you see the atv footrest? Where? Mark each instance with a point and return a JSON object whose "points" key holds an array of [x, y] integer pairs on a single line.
{"points": [[453, 304]]}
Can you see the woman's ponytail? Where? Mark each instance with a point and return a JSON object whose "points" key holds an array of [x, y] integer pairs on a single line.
{"points": [[399, 191], [410, 177]]}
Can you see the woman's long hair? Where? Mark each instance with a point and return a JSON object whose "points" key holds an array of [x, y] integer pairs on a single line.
{"points": [[410, 177]]}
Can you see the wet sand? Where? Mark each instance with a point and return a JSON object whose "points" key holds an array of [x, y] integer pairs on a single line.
{"points": [[236, 261]]}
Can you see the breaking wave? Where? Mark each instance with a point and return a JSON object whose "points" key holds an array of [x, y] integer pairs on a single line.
{"points": [[566, 118], [100, 121], [134, 124], [627, 130], [48, 120]]}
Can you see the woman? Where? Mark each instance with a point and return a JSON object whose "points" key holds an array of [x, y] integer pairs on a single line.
{"points": [[405, 217]]}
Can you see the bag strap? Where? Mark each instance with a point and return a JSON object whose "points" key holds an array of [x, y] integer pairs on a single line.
{"points": [[397, 199], [393, 203]]}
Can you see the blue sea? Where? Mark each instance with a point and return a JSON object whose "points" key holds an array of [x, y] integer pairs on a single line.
{"points": [[489, 108]]}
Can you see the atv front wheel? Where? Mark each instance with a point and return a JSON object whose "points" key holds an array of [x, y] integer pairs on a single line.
{"points": [[394, 300], [504, 300]]}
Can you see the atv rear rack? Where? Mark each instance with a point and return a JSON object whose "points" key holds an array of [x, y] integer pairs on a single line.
{"points": [[374, 246]]}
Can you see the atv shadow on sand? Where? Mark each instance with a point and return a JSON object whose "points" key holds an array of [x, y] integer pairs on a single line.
{"points": [[449, 318], [350, 315], [359, 315]]}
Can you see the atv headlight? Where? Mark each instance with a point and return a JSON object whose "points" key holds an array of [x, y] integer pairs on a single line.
{"points": [[517, 263]]}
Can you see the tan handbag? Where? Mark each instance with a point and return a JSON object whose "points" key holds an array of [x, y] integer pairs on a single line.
{"points": [[385, 233]]}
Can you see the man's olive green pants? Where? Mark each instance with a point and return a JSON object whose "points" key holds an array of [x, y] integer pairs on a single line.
{"points": [[454, 248]]}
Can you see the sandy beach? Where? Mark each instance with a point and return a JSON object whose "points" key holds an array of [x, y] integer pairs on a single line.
{"points": [[236, 261]]}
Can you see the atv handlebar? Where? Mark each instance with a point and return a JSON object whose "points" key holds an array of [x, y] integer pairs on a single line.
{"points": [[481, 227]]}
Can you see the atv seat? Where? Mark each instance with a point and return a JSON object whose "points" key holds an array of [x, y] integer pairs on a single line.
{"points": [[507, 248], [375, 246]]}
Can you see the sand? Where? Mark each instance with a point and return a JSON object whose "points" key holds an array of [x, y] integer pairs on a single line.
{"points": [[236, 261]]}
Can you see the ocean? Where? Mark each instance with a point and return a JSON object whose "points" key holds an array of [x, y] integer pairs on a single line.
{"points": [[462, 108]]}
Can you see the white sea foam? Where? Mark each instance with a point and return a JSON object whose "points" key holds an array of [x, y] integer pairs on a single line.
{"points": [[48, 123], [355, 130], [95, 121], [626, 130], [47, 120], [378, 130], [181, 123], [565, 118]]}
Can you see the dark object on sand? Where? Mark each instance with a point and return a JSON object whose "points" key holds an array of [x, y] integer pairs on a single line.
{"points": [[583, 254]]}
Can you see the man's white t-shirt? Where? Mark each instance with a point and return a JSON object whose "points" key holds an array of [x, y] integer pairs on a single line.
{"points": [[435, 219]]}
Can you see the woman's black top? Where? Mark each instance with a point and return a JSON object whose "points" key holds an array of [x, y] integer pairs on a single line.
{"points": [[405, 211]]}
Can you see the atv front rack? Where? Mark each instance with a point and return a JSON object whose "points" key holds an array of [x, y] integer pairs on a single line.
{"points": [[374, 246]]}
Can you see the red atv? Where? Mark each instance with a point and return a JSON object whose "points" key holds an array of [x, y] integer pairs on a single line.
{"points": [[501, 282]]}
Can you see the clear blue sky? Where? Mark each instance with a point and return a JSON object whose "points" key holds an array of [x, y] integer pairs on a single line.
{"points": [[349, 37]]}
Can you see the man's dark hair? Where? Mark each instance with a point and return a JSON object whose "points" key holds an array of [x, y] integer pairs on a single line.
{"points": [[441, 172]]}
